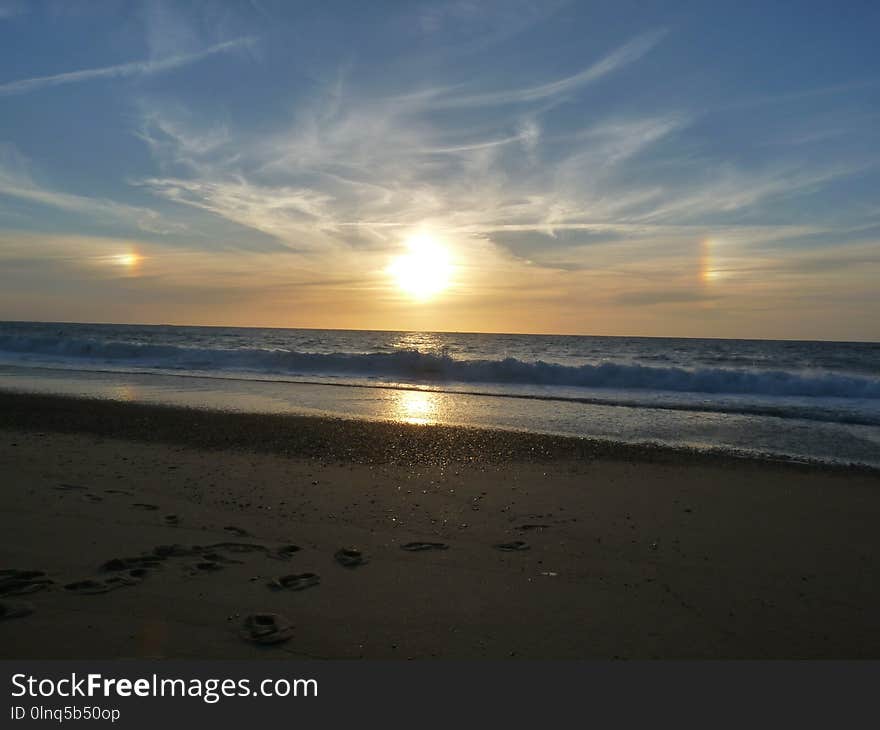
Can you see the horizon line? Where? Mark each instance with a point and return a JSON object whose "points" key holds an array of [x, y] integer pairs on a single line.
{"points": [[438, 332]]}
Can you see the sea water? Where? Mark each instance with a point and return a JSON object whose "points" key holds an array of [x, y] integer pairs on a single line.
{"points": [[816, 400]]}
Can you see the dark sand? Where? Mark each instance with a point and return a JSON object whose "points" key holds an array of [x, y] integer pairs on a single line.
{"points": [[633, 552]]}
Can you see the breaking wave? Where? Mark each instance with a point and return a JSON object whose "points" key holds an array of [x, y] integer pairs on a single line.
{"points": [[414, 366]]}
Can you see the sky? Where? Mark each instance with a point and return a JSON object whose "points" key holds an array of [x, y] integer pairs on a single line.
{"points": [[688, 169]]}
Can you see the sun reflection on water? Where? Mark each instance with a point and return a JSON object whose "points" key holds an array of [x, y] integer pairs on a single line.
{"points": [[125, 392], [419, 341], [418, 407]]}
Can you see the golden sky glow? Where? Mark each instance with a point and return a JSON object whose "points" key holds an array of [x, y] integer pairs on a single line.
{"points": [[638, 287], [709, 270], [128, 260]]}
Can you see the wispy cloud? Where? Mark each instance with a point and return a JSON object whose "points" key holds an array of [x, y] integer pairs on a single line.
{"points": [[172, 139], [794, 96], [122, 70], [730, 189], [17, 182], [625, 55], [358, 173], [294, 215]]}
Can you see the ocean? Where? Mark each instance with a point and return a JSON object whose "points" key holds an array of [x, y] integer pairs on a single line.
{"points": [[801, 400]]}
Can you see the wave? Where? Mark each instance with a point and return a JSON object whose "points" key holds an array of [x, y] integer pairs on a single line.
{"points": [[414, 366]]}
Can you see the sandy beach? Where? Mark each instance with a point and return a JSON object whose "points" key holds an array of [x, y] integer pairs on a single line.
{"points": [[148, 531]]}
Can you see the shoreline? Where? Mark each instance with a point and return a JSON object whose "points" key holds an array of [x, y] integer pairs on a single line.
{"points": [[368, 441], [154, 531], [430, 387]]}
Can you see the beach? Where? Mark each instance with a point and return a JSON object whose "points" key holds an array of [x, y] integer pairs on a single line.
{"points": [[194, 520]]}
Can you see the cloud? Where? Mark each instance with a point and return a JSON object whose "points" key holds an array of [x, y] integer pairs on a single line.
{"points": [[174, 140], [623, 56], [122, 70], [357, 172], [793, 96], [653, 297], [861, 257], [354, 167], [726, 188], [16, 182], [290, 214]]}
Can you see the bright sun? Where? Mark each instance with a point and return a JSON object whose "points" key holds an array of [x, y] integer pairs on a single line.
{"points": [[425, 270]]}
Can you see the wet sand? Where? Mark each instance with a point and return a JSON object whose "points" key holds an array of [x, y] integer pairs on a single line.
{"points": [[631, 552]]}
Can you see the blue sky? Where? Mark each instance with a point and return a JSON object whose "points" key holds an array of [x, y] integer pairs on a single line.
{"points": [[689, 169]]}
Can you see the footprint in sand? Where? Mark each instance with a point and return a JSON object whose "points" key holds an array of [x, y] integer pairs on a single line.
{"points": [[19, 582], [172, 520], [120, 564], [218, 558], [92, 498], [208, 566], [69, 487], [237, 531], [294, 582], [173, 551], [510, 547], [285, 552], [117, 491], [350, 558], [239, 547], [420, 546], [145, 507], [91, 586], [14, 609], [266, 628]]}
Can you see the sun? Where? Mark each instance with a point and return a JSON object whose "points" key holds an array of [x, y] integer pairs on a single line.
{"points": [[425, 270]]}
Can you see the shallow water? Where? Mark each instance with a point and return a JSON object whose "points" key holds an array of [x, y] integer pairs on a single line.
{"points": [[739, 432]]}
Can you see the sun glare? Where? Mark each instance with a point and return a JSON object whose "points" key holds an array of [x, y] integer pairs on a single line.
{"points": [[425, 270]]}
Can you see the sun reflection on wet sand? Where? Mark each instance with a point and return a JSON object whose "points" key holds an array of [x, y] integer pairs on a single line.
{"points": [[126, 392], [418, 407]]}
